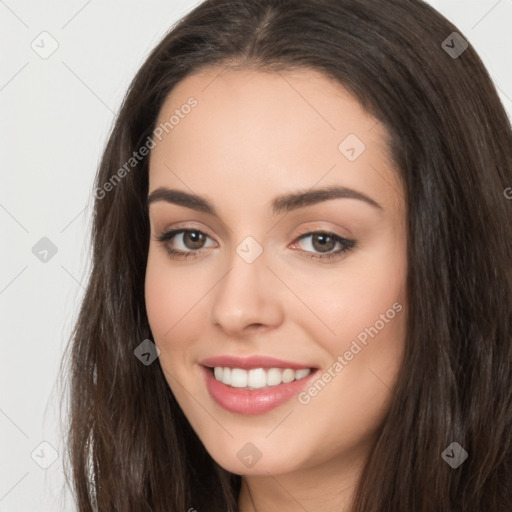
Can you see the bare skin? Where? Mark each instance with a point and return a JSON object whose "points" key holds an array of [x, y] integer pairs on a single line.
{"points": [[251, 137]]}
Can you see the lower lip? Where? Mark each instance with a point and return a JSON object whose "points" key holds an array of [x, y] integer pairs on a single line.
{"points": [[257, 401]]}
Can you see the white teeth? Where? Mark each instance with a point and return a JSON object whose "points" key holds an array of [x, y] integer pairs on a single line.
{"points": [[239, 378], [273, 377], [299, 374], [288, 375], [217, 371], [257, 378]]}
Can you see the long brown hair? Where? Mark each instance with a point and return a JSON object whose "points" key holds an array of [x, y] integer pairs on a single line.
{"points": [[130, 446]]}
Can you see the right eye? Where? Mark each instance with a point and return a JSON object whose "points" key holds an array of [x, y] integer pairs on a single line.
{"points": [[192, 239]]}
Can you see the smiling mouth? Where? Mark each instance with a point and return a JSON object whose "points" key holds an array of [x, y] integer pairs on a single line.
{"points": [[258, 378]]}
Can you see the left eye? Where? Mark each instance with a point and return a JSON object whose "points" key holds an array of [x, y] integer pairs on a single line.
{"points": [[194, 239], [325, 241]]}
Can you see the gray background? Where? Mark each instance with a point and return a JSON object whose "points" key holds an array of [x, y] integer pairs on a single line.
{"points": [[56, 113]]}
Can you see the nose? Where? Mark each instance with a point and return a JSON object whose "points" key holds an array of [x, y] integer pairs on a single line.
{"points": [[247, 298]]}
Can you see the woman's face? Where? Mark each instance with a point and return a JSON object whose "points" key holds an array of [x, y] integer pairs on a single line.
{"points": [[261, 278]]}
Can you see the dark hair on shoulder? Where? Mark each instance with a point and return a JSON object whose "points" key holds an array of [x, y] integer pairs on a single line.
{"points": [[130, 446]]}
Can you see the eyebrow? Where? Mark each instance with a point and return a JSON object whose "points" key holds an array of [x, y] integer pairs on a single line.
{"points": [[282, 203]]}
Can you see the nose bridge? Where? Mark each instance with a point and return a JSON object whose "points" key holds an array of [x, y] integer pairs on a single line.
{"points": [[245, 294]]}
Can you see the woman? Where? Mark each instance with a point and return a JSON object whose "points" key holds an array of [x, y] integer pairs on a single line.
{"points": [[301, 288]]}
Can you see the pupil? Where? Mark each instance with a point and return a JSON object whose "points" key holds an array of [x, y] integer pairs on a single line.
{"points": [[323, 240], [195, 237]]}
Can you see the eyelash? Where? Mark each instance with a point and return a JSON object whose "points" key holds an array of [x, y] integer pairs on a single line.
{"points": [[347, 245]]}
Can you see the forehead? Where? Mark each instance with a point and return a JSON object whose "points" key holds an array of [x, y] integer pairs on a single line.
{"points": [[261, 131]]}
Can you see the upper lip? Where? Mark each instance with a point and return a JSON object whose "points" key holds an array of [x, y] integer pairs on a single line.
{"points": [[251, 362]]}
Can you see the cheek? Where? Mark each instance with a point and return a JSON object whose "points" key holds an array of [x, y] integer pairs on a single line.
{"points": [[158, 296], [357, 298], [167, 302], [369, 316]]}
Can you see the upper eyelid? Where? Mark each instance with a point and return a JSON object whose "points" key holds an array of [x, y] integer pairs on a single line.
{"points": [[313, 229], [180, 229], [346, 244], [303, 234]]}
